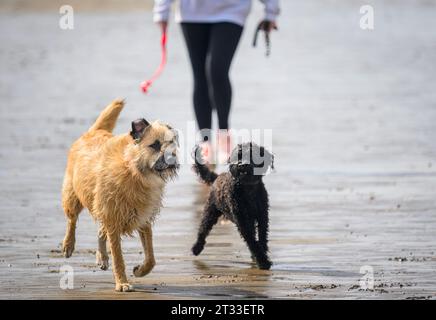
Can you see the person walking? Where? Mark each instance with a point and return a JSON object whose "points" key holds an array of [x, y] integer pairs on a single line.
{"points": [[212, 30]]}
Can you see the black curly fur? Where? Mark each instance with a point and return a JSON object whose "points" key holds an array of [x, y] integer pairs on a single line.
{"points": [[241, 197], [205, 174]]}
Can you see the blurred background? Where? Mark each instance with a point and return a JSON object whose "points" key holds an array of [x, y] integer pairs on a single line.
{"points": [[353, 115]]}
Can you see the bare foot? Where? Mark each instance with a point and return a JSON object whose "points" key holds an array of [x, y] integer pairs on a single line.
{"points": [[224, 143]]}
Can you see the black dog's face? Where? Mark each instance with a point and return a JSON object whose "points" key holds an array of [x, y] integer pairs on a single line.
{"points": [[244, 173], [249, 163]]}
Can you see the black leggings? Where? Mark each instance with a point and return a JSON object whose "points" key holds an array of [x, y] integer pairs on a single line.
{"points": [[211, 48]]}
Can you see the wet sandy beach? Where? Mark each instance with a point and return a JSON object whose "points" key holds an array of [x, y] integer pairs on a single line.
{"points": [[353, 115]]}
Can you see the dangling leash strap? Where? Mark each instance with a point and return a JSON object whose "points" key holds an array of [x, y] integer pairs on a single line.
{"points": [[147, 83], [264, 25]]}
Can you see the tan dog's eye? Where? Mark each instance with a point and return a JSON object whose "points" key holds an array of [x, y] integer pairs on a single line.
{"points": [[155, 145]]}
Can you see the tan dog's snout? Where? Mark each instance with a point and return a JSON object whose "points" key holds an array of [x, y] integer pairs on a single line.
{"points": [[170, 158], [166, 161], [170, 153]]}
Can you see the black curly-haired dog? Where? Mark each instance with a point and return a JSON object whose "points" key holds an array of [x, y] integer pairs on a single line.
{"points": [[240, 196]]}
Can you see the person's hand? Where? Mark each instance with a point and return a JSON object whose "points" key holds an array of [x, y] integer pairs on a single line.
{"points": [[163, 25], [271, 26]]}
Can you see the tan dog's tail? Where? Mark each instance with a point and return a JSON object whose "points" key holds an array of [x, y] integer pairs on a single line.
{"points": [[108, 118]]}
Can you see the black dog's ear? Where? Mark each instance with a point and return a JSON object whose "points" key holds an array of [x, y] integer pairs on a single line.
{"points": [[272, 161], [268, 159], [236, 155], [138, 128]]}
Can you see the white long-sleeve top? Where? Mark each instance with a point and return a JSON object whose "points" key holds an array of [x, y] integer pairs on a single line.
{"points": [[235, 11]]}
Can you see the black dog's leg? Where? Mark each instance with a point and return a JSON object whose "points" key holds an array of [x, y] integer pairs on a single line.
{"points": [[262, 231], [263, 220], [210, 218], [248, 232]]}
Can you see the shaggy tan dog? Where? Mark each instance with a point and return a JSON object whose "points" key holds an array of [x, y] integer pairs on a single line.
{"points": [[120, 180]]}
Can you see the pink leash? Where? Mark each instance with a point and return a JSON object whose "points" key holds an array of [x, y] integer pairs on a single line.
{"points": [[147, 83]]}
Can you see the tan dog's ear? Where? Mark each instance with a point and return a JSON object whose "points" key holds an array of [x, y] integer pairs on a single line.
{"points": [[138, 128]]}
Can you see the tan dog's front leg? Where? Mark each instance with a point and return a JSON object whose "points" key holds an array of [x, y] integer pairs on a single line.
{"points": [[147, 243], [121, 283]]}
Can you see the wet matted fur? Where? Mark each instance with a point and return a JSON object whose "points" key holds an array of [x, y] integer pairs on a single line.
{"points": [[240, 196], [120, 180]]}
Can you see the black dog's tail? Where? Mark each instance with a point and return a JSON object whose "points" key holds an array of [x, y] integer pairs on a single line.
{"points": [[201, 169]]}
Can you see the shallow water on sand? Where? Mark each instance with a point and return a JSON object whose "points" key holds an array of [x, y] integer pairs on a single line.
{"points": [[352, 114]]}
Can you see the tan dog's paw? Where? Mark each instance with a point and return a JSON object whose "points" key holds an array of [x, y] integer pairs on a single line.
{"points": [[102, 260], [67, 249], [124, 287], [143, 269]]}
